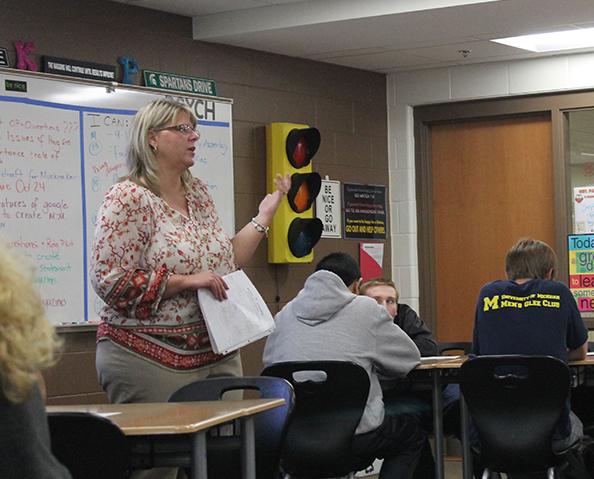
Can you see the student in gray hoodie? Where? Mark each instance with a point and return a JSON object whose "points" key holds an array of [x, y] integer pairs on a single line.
{"points": [[329, 321]]}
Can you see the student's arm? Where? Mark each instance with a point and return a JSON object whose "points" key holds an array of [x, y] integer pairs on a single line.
{"points": [[578, 353], [396, 353], [418, 331], [577, 333]]}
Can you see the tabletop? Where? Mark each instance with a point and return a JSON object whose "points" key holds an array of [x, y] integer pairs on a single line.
{"points": [[172, 418], [441, 362], [455, 362]]}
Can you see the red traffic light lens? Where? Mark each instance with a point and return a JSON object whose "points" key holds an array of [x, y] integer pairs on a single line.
{"points": [[303, 235], [302, 145], [304, 190], [300, 153]]}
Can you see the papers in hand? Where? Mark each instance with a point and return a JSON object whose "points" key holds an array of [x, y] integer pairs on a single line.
{"points": [[238, 320]]}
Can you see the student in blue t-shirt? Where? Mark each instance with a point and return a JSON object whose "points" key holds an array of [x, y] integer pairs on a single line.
{"points": [[531, 314]]}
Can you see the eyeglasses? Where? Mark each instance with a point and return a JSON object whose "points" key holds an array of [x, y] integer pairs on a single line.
{"points": [[183, 128]]}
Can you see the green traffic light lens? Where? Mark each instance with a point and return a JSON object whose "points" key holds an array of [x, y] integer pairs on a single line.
{"points": [[303, 235]]}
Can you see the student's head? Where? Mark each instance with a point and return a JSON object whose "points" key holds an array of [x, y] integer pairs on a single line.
{"points": [[384, 292], [142, 156], [344, 266], [530, 258], [27, 340]]}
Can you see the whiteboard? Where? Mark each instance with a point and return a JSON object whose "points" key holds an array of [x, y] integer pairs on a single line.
{"points": [[63, 143]]}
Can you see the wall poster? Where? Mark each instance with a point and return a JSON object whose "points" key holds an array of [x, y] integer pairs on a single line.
{"points": [[364, 211], [581, 270]]}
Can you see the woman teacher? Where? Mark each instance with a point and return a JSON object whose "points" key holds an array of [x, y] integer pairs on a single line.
{"points": [[158, 239]]}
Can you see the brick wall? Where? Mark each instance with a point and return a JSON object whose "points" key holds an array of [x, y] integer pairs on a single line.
{"points": [[347, 105]]}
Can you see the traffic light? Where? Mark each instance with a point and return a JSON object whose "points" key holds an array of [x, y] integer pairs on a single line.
{"points": [[294, 230]]}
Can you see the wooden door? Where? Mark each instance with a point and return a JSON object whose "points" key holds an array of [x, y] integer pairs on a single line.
{"points": [[492, 183]]}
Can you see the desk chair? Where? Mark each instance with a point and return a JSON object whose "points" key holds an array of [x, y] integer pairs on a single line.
{"points": [[330, 399], [464, 347], [90, 446], [515, 403], [269, 426]]}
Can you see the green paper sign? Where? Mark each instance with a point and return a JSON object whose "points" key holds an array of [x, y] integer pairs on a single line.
{"points": [[15, 85]]}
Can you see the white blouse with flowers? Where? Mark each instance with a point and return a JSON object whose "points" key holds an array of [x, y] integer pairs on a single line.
{"points": [[139, 242]]}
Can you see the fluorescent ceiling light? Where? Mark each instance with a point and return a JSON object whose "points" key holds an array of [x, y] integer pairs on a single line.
{"points": [[553, 41]]}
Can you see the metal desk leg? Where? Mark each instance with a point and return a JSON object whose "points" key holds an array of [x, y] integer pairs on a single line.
{"points": [[199, 467], [466, 452], [248, 448], [438, 424]]}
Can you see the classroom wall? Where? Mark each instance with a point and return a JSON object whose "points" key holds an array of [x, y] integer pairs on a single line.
{"points": [[348, 106], [456, 83]]}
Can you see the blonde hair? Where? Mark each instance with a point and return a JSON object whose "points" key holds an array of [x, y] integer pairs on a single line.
{"points": [[27, 340], [141, 157], [378, 282], [530, 258]]}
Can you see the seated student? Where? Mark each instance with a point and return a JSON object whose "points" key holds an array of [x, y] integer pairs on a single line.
{"points": [[385, 294], [398, 398], [554, 330], [329, 321], [27, 344]]}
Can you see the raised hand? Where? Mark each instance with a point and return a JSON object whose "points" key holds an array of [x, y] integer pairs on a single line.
{"points": [[269, 204]]}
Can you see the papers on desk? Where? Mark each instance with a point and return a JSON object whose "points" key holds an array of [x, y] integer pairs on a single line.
{"points": [[240, 319], [107, 414], [431, 359]]}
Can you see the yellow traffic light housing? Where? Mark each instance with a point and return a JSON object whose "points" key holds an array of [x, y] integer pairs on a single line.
{"points": [[294, 230]]}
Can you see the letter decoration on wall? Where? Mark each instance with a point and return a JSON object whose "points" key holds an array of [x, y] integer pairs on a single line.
{"points": [[129, 67], [23, 50]]}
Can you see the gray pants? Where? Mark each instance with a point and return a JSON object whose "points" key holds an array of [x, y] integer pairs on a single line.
{"points": [[575, 435], [128, 378]]}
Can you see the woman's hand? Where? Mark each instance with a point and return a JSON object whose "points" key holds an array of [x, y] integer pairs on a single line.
{"points": [[247, 239], [212, 281], [269, 204]]}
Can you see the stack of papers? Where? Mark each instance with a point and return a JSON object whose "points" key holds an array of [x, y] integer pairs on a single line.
{"points": [[238, 320]]}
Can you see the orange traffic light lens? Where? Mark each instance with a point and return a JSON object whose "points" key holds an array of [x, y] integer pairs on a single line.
{"points": [[302, 198], [304, 189]]}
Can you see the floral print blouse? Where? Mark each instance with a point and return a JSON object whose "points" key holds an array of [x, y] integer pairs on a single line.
{"points": [[139, 242]]}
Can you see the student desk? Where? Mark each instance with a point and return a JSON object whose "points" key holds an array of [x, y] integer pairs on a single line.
{"points": [[444, 370], [186, 423]]}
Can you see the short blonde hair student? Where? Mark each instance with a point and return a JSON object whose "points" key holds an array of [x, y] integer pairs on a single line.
{"points": [[378, 282], [27, 340]]}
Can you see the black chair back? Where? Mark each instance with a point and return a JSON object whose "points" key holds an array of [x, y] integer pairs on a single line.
{"points": [[464, 347], [328, 409], [515, 403], [270, 426], [90, 446]]}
